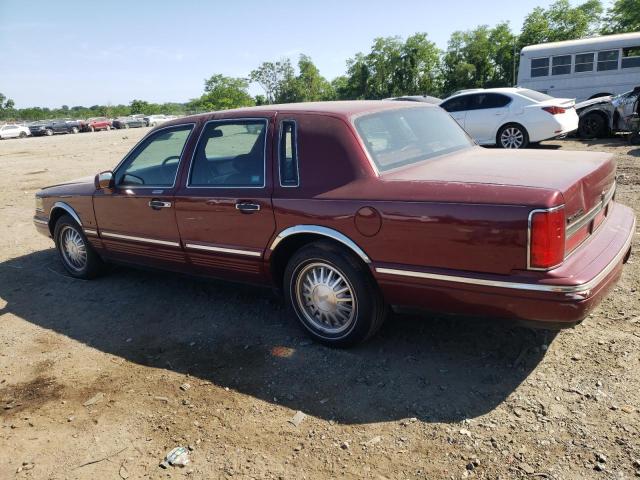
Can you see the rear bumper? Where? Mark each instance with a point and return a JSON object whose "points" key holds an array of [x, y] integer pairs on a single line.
{"points": [[558, 126], [563, 296]]}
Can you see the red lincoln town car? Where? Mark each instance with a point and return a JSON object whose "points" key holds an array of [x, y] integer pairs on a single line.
{"points": [[349, 208]]}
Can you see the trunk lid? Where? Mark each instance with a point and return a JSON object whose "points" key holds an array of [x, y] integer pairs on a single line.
{"points": [[580, 177]]}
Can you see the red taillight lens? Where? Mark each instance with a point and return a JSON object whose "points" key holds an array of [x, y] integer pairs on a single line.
{"points": [[554, 110], [546, 240]]}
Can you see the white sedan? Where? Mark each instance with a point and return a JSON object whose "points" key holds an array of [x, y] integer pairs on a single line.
{"points": [[13, 131], [512, 117]]}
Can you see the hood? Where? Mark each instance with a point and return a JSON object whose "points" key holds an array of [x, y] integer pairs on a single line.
{"points": [[594, 101], [80, 186]]}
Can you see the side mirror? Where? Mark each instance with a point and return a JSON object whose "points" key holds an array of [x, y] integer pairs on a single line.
{"points": [[104, 180]]}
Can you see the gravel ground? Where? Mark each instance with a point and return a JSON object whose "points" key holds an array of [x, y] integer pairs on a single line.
{"points": [[100, 379]]}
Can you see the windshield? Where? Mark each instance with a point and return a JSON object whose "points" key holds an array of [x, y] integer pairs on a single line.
{"points": [[533, 95], [404, 136]]}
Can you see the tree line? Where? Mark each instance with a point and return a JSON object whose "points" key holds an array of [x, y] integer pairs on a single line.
{"points": [[482, 57]]}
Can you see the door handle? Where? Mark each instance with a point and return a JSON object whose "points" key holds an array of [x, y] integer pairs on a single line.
{"points": [[247, 207], [158, 204]]}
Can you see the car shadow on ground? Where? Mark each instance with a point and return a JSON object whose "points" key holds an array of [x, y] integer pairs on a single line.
{"points": [[438, 369]]}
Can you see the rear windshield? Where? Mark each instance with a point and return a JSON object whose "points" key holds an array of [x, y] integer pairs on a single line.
{"points": [[533, 95], [404, 136]]}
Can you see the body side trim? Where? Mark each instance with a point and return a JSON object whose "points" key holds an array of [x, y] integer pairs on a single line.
{"points": [[210, 248], [323, 231], [582, 288], [139, 239]]}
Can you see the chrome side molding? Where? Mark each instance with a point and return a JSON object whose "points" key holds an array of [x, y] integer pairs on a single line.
{"points": [[211, 248], [67, 209], [139, 239], [323, 231]]}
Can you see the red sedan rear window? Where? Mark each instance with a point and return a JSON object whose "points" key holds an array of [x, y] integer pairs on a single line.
{"points": [[403, 136]]}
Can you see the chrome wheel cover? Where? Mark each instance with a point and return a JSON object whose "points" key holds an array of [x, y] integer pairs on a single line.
{"points": [[73, 248], [325, 298], [512, 137]]}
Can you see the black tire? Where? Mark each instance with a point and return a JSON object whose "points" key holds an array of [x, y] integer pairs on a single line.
{"points": [[22, 135], [592, 125], [92, 266], [368, 309], [520, 136]]}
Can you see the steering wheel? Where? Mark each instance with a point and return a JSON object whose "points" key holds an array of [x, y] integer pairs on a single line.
{"points": [[124, 179], [168, 159]]}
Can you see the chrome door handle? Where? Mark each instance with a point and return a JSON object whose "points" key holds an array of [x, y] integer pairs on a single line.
{"points": [[247, 207], [158, 204]]}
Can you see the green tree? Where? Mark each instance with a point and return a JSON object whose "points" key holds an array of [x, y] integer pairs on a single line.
{"points": [[560, 22], [139, 107], [622, 17], [222, 93], [276, 79], [309, 85], [392, 68]]}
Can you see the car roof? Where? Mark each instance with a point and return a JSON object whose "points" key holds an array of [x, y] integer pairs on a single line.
{"points": [[487, 90], [344, 109]]}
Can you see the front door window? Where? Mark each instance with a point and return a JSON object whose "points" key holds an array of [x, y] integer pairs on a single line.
{"points": [[154, 163]]}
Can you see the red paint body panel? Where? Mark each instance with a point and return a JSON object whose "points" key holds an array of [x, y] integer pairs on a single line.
{"points": [[463, 215]]}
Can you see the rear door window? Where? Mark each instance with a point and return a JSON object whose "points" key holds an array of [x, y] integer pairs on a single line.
{"points": [[483, 101], [288, 154]]}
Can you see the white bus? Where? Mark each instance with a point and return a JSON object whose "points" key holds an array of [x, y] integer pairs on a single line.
{"points": [[582, 69]]}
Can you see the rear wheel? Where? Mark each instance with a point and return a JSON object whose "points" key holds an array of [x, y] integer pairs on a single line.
{"points": [[333, 295], [512, 135], [592, 125], [78, 257], [22, 134]]}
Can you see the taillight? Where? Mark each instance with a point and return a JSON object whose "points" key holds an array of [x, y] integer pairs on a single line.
{"points": [[546, 238], [554, 110]]}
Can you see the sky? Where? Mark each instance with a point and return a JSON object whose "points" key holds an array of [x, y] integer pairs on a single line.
{"points": [[87, 53]]}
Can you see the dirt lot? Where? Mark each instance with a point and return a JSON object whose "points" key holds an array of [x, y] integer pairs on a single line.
{"points": [[430, 397]]}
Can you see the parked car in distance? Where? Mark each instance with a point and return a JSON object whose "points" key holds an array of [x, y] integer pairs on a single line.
{"points": [[512, 117], [13, 131], [154, 120], [129, 122], [97, 123], [349, 208], [56, 126], [417, 98], [603, 116]]}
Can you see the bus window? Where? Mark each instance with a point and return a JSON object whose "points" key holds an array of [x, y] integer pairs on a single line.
{"points": [[561, 65], [584, 62], [608, 60], [539, 67], [631, 57]]}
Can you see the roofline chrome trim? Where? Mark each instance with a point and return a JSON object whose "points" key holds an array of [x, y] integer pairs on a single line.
{"points": [[139, 239], [266, 121], [531, 214], [577, 224], [67, 209], [324, 231], [210, 248], [536, 287]]}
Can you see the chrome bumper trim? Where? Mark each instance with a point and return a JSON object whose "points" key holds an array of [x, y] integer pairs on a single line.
{"points": [[209, 248], [536, 287], [139, 239]]}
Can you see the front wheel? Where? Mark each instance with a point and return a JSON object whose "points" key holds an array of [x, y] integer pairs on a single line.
{"points": [[333, 295], [78, 257], [22, 135], [592, 125], [512, 136]]}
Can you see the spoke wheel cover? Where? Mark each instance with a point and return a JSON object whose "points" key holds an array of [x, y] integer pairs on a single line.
{"points": [[512, 137], [325, 298], [73, 248]]}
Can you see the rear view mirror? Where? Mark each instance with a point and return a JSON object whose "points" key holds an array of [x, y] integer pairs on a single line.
{"points": [[215, 133], [104, 180]]}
